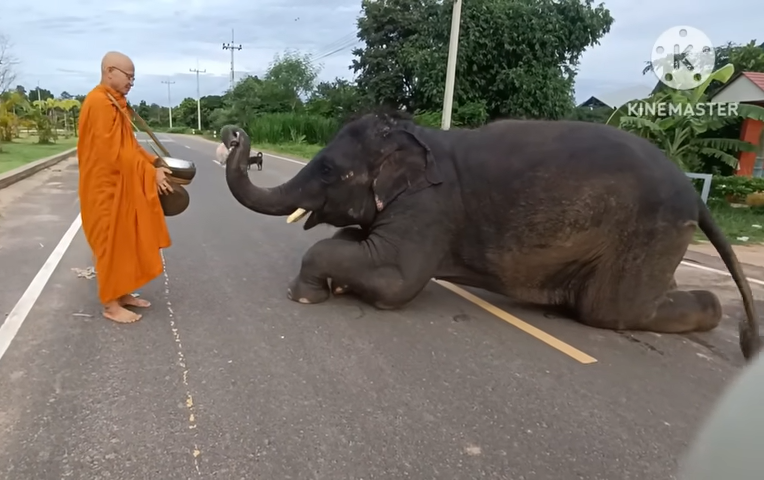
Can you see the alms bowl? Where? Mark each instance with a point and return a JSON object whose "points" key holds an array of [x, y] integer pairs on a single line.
{"points": [[181, 169], [176, 202]]}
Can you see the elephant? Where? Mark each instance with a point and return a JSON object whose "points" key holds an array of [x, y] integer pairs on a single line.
{"points": [[582, 217]]}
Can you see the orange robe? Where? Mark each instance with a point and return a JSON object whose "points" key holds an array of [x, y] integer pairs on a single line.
{"points": [[121, 215]]}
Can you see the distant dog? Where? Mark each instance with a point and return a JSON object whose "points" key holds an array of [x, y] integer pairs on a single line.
{"points": [[256, 159]]}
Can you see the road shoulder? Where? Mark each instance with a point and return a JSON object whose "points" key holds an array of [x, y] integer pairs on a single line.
{"points": [[34, 215]]}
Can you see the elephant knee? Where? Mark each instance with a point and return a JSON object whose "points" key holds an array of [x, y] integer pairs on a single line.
{"points": [[391, 291]]}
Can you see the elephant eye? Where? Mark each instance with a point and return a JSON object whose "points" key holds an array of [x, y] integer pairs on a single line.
{"points": [[325, 169]]}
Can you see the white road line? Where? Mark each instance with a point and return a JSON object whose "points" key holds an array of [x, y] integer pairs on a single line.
{"points": [[268, 155], [285, 159], [16, 318], [720, 272]]}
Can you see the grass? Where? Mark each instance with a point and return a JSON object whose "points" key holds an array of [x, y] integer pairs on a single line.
{"points": [[302, 151], [291, 128], [26, 150], [741, 225]]}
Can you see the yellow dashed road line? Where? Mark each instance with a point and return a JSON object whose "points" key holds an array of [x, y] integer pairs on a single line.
{"points": [[553, 342]]}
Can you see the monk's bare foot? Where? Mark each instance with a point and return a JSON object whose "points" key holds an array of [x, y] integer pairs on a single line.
{"points": [[131, 301], [117, 313]]}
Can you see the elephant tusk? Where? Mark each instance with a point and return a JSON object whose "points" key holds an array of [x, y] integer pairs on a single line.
{"points": [[297, 215]]}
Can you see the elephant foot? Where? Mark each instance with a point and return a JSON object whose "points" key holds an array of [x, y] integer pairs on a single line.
{"points": [[306, 293]]}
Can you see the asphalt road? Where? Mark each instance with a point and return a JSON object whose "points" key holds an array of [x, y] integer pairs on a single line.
{"points": [[226, 378]]}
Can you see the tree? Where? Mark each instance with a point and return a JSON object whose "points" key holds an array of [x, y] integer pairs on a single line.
{"points": [[385, 72], [252, 96], [7, 64], [338, 99], [68, 106], [41, 94], [748, 58], [143, 110], [516, 58], [11, 103], [45, 118], [292, 72], [185, 113]]}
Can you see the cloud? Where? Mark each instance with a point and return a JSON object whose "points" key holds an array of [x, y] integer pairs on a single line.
{"points": [[618, 62], [60, 44]]}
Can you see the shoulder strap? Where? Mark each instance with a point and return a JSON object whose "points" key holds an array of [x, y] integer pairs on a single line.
{"points": [[143, 124]]}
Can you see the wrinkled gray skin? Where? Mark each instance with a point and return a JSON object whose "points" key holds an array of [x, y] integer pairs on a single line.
{"points": [[576, 215]]}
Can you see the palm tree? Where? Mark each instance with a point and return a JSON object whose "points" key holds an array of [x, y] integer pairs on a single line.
{"points": [[45, 118], [68, 105], [9, 103], [680, 132]]}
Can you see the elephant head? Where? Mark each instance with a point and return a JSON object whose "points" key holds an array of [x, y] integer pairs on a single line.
{"points": [[371, 161]]}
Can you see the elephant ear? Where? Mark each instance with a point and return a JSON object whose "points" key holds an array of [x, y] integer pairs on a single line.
{"points": [[409, 167]]}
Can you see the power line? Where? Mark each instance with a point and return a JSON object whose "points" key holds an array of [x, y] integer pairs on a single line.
{"points": [[198, 95], [337, 50], [333, 44], [232, 47], [169, 99]]}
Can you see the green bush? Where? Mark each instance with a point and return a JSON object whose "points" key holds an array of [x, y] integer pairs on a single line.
{"points": [[179, 130], [732, 187], [282, 128]]}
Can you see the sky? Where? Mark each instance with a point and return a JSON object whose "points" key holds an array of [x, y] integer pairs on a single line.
{"points": [[61, 46]]}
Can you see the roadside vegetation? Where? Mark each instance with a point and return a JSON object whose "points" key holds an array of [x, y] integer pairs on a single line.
{"points": [[27, 148]]}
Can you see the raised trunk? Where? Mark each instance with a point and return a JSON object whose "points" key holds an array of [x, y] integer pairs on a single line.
{"points": [[268, 201]]}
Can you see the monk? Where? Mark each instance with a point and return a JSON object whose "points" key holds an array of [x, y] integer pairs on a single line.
{"points": [[119, 189]]}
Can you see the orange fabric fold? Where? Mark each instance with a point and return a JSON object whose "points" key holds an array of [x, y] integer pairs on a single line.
{"points": [[122, 218]]}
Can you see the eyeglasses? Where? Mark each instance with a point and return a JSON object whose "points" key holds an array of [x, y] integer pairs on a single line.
{"points": [[130, 77]]}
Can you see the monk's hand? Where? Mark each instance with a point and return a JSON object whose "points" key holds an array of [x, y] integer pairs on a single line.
{"points": [[163, 184]]}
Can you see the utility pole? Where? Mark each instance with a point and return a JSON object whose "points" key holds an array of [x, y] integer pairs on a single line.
{"points": [[198, 96], [453, 46], [169, 99], [232, 47]]}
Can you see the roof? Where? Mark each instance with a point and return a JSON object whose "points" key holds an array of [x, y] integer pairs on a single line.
{"points": [[592, 102], [742, 87], [755, 77], [618, 98]]}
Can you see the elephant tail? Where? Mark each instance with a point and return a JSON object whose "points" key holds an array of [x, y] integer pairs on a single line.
{"points": [[748, 328]]}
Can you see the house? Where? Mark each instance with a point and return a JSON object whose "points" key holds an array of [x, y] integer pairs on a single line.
{"points": [[747, 87], [618, 98]]}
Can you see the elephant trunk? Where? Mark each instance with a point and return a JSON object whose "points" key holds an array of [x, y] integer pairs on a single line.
{"points": [[268, 201]]}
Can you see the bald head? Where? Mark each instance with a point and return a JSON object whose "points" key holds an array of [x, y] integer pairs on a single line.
{"points": [[117, 72]]}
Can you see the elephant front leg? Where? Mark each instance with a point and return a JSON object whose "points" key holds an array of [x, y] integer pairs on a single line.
{"points": [[351, 234], [351, 267], [311, 285]]}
